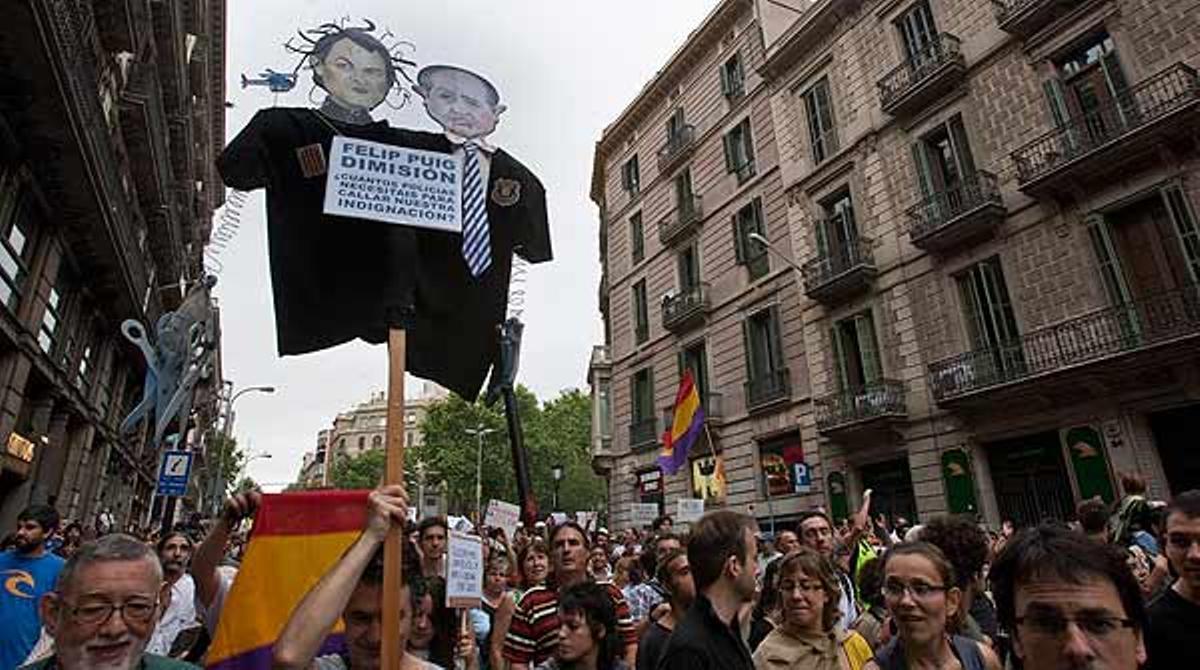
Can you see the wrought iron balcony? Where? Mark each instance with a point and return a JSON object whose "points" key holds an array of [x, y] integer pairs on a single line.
{"points": [[1024, 17], [950, 217], [768, 388], [928, 75], [1103, 142], [840, 274], [678, 146], [643, 433], [881, 402], [1101, 336], [683, 219], [686, 308], [713, 403]]}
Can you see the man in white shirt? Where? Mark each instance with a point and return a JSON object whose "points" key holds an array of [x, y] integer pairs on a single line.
{"points": [[174, 552]]}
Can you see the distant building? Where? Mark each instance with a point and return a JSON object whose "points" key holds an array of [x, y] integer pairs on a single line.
{"points": [[364, 428], [111, 117]]}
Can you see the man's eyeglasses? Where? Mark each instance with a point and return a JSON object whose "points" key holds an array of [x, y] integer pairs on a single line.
{"points": [[137, 611], [1053, 624], [894, 589]]}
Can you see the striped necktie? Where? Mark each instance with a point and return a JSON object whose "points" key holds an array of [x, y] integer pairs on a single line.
{"points": [[476, 247]]}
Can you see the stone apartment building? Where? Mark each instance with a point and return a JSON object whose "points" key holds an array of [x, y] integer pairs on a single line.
{"points": [[992, 210], [112, 113]]}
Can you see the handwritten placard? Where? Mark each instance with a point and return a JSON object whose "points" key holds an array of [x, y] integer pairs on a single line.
{"points": [[464, 571], [644, 514], [381, 182], [504, 515], [688, 510]]}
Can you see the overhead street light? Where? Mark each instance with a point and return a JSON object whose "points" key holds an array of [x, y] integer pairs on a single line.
{"points": [[557, 473], [217, 481], [479, 433], [771, 248]]}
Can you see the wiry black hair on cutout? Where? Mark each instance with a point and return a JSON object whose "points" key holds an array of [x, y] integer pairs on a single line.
{"points": [[314, 44]]}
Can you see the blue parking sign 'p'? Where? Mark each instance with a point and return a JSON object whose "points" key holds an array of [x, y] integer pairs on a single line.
{"points": [[173, 473]]}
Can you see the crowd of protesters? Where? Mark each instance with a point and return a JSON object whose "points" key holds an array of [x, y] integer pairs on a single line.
{"points": [[1118, 587]]}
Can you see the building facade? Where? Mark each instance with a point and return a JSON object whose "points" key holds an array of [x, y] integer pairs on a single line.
{"points": [[991, 206], [113, 114]]}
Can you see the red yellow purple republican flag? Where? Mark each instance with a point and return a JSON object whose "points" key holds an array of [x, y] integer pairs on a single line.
{"points": [[297, 537], [685, 427]]}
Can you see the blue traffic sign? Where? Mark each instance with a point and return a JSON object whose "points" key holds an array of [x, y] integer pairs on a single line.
{"points": [[173, 473]]}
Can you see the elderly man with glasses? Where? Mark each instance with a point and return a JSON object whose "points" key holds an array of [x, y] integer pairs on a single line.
{"points": [[104, 607]]}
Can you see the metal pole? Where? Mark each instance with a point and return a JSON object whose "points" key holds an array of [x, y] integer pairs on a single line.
{"points": [[479, 479]]}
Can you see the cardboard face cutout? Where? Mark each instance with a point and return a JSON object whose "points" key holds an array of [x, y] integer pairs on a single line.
{"points": [[356, 69], [462, 102]]}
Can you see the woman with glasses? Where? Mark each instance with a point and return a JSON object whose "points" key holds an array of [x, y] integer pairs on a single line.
{"points": [[926, 606], [807, 637]]}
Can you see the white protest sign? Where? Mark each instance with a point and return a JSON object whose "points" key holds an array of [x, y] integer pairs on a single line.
{"points": [[586, 519], [381, 182], [644, 514], [504, 515], [464, 571], [688, 510]]}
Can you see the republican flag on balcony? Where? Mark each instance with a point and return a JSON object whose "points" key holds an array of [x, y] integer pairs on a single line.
{"points": [[686, 424], [297, 537]]}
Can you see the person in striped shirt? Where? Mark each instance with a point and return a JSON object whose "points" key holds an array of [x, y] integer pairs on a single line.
{"points": [[533, 635]]}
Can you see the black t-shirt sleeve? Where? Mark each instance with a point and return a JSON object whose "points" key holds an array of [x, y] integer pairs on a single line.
{"points": [[684, 658], [244, 164]]}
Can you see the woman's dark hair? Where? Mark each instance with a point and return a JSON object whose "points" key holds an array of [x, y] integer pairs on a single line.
{"points": [[1050, 552], [941, 564], [870, 582], [963, 543], [595, 604]]}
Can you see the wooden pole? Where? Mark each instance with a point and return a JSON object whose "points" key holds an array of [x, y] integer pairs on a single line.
{"points": [[393, 578]]}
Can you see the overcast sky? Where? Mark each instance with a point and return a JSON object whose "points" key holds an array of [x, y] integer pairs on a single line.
{"points": [[565, 70]]}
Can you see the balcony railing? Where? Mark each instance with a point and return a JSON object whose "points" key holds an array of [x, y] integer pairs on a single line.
{"points": [[767, 388], [1109, 332], [643, 433], [681, 220], [1174, 88], [682, 309], [881, 399], [844, 270], [713, 403], [1023, 17], [974, 200], [905, 86], [678, 145]]}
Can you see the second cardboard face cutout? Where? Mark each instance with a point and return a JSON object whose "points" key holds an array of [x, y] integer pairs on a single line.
{"points": [[462, 102]]}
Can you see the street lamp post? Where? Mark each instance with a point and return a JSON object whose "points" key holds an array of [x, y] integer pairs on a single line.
{"points": [[479, 432], [217, 481], [246, 464], [771, 248], [557, 473]]}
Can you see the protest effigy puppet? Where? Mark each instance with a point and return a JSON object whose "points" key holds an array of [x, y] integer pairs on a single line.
{"points": [[341, 267]]}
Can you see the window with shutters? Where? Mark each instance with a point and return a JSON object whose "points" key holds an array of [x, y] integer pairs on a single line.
{"points": [[991, 323], [1089, 92], [631, 177], [685, 197], [766, 373], [688, 262], [641, 314], [733, 78], [643, 424], [14, 239], [637, 238], [748, 251], [944, 162], [675, 126], [918, 32], [856, 352], [822, 134], [838, 243], [695, 358], [739, 151]]}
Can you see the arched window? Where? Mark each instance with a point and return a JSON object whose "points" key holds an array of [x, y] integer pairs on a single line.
{"points": [[362, 441], [377, 441]]}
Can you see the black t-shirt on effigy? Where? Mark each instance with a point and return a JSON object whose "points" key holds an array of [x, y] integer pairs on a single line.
{"points": [[336, 278]]}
